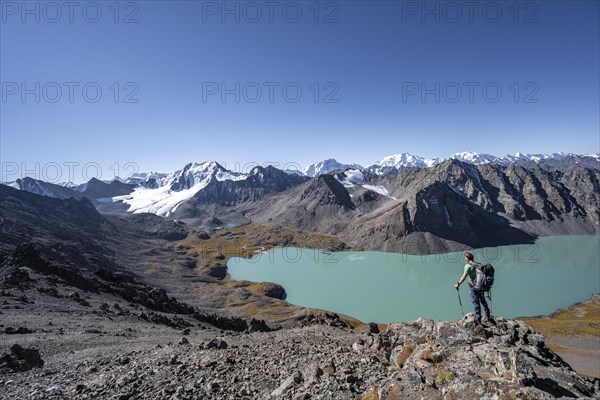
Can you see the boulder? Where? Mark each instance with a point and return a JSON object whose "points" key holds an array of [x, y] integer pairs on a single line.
{"points": [[21, 359], [271, 289], [216, 344], [217, 270]]}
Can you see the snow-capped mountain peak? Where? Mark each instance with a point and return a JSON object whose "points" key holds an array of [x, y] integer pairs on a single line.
{"points": [[403, 160], [399, 162], [194, 180], [199, 175], [326, 166], [474, 158]]}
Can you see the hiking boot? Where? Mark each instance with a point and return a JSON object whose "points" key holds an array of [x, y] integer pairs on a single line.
{"points": [[490, 319]]}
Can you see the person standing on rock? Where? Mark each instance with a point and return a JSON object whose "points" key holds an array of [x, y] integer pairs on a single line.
{"points": [[477, 296]]}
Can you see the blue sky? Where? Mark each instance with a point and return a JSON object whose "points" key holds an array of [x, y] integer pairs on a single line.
{"points": [[376, 78]]}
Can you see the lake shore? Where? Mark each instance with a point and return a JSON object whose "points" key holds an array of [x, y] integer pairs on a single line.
{"points": [[574, 334]]}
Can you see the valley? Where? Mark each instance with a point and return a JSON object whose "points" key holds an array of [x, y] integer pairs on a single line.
{"points": [[135, 287]]}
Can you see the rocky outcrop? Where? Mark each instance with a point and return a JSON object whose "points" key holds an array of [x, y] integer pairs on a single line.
{"points": [[216, 270], [20, 359], [270, 289], [466, 360], [418, 359]]}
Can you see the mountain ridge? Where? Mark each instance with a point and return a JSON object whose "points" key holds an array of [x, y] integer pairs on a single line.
{"points": [[448, 206]]}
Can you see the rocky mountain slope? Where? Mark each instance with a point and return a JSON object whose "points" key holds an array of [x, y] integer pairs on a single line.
{"points": [[448, 207], [42, 188], [97, 189], [93, 189], [574, 333], [108, 335]]}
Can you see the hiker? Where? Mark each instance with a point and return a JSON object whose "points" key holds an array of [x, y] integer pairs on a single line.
{"points": [[477, 295]]}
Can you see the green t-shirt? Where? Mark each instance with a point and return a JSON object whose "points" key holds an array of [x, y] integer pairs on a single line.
{"points": [[470, 272]]}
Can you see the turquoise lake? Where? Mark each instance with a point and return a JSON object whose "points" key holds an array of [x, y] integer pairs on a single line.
{"points": [[372, 286]]}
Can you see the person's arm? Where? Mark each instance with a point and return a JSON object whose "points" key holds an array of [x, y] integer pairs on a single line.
{"points": [[461, 280], [466, 272]]}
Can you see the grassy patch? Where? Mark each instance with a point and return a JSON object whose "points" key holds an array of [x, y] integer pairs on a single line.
{"points": [[578, 320], [250, 311], [404, 354], [372, 394], [249, 240], [444, 376]]}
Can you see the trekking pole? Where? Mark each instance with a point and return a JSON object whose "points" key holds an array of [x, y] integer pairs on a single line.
{"points": [[460, 302]]}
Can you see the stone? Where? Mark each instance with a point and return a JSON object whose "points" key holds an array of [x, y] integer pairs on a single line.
{"points": [[373, 328], [203, 236], [216, 344], [312, 372], [298, 377], [329, 367], [283, 387]]}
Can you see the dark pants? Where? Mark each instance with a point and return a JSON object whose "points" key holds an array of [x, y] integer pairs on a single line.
{"points": [[478, 296]]}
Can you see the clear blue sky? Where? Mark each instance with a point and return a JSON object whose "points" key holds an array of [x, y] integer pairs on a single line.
{"points": [[373, 57]]}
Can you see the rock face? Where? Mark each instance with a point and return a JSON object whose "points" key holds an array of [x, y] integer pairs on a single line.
{"points": [[260, 182]]}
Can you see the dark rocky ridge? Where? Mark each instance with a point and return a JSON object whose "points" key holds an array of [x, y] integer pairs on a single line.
{"points": [[95, 189], [42, 188]]}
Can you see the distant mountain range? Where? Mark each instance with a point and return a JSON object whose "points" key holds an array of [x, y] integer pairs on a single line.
{"points": [[405, 161], [404, 200]]}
